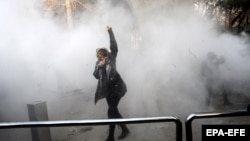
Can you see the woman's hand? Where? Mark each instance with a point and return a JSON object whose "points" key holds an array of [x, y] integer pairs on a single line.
{"points": [[108, 27], [102, 62]]}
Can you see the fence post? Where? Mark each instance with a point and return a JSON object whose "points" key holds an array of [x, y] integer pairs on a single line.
{"points": [[38, 112]]}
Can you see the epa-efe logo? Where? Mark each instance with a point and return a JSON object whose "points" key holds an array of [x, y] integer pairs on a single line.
{"points": [[225, 132], [228, 132]]}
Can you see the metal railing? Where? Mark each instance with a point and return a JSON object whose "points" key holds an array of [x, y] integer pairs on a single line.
{"points": [[190, 118], [96, 123]]}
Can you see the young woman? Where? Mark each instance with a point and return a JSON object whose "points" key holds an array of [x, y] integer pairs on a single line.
{"points": [[110, 84]]}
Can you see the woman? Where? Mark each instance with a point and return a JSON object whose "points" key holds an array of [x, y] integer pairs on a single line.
{"points": [[110, 84]]}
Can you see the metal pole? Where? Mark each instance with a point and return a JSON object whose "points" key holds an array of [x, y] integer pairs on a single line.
{"points": [[69, 12]]}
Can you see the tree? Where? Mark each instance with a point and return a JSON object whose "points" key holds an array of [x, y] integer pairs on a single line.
{"points": [[232, 14], [237, 12]]}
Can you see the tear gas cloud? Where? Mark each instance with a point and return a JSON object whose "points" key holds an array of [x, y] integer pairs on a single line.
{"points": [[43, 60]]}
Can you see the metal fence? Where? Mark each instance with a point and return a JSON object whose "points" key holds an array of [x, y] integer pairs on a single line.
{"points": [[96, 123]]}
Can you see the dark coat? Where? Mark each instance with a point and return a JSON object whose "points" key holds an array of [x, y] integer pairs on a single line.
{"points": [[110, 83]]}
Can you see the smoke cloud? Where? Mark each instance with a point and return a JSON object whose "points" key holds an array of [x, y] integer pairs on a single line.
{"points": [[161, 47]]}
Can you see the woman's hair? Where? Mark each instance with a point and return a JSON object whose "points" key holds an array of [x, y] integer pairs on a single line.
{"points": [[102, 52]]}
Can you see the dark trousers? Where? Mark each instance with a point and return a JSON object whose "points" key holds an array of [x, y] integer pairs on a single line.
{"points": [[113, 113]]}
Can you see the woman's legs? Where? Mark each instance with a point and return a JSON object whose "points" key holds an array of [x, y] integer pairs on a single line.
{"points": [[112, 107], [124, 133], [113, 113]]}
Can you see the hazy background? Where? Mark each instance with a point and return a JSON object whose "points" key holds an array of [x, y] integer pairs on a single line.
{"points": [[42, 59]]}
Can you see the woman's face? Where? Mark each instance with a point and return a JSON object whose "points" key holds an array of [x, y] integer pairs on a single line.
{"points": [[101, 57]]}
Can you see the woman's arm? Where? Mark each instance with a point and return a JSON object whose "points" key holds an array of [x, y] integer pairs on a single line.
{"points": [[113, 44], [96, 71]]}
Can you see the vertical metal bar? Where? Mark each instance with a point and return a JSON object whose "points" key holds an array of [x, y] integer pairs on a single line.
{"points": [[189, 136], [178, 130]]}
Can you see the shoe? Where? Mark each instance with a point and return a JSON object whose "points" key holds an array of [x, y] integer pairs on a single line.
{"points": [[124, 134]]}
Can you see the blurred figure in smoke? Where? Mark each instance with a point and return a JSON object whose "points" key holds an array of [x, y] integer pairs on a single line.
{"points": [[110, 84], [211, 76]]}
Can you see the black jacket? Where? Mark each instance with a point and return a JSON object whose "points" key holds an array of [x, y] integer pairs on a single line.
{"points": [[110, 83]]}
